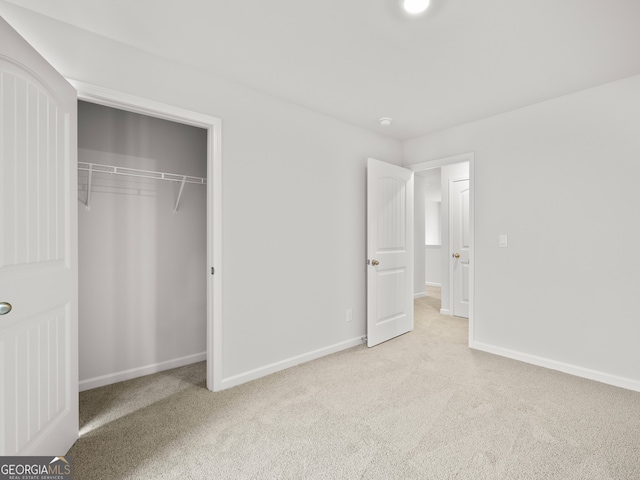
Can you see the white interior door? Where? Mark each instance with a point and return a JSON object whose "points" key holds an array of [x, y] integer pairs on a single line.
{"points": [[460, 242], [389, 251], [38, 251]]}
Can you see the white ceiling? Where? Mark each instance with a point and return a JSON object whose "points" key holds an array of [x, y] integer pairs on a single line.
{"points": [[358, 60]]}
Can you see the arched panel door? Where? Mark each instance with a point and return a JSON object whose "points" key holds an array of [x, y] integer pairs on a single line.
{"points": [[38, 252], [389, 251]]}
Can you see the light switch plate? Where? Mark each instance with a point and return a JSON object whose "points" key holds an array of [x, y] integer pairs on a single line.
{"points": [[502, 241]]}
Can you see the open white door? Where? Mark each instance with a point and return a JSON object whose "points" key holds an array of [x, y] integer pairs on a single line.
{"points": [[38, 252], [389, 251], [460, 246]]}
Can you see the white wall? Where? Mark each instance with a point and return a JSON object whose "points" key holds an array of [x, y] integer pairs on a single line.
{"points": [[560, 179], [419, 236], [433, 232], [142, 269], [433, 265], [293, 198]]}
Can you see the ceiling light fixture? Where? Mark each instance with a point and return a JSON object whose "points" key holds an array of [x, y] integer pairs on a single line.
{"points": [[385, 121], [414, 7]]}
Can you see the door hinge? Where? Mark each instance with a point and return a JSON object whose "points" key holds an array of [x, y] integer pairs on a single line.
{"points": [[213, 270]]}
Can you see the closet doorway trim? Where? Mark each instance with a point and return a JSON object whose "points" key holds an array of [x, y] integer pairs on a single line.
{"points": [[213, 125]]}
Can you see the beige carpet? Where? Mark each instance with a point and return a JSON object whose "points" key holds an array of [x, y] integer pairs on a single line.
{"points": [[421, 406]]}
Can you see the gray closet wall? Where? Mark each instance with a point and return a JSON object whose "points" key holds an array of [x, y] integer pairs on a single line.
{"points": [[142, 269]]}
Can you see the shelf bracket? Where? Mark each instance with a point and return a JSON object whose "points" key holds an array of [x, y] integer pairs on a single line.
{"points": [[184, 179], [88, 204]]}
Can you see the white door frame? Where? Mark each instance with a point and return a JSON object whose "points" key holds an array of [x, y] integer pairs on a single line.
{"points": [[213, 125], [440, 162]]}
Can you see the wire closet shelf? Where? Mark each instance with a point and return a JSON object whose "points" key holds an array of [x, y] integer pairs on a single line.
{"points": [[97, 168]]}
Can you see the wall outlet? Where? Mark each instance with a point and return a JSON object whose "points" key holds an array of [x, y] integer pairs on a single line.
{"points": [[349, 315]]}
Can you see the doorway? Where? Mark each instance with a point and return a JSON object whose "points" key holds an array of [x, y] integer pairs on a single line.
{"points": [[428, 237], [449, 164], [213, 268]]}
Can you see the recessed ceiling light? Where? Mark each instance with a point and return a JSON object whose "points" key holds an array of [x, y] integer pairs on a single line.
{"points": [[415, 7], [385, 121]]}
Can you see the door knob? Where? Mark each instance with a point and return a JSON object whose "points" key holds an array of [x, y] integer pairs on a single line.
{"points": [[375, 263], [5, 308], [456, 255]]}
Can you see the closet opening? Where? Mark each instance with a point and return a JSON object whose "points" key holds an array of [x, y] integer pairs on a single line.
{"points": [[149, 238]]}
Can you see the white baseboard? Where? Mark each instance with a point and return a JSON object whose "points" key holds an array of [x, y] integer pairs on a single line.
{"points": [[582, 372], [290, 362], [445, 311], [116, 377], [432, 284], [419, 295]]}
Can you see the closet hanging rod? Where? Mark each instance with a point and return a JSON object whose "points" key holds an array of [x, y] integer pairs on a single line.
{"points": [[133, 172]]}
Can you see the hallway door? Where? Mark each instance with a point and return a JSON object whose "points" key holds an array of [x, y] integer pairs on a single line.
{"points": [[460, 242]]}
